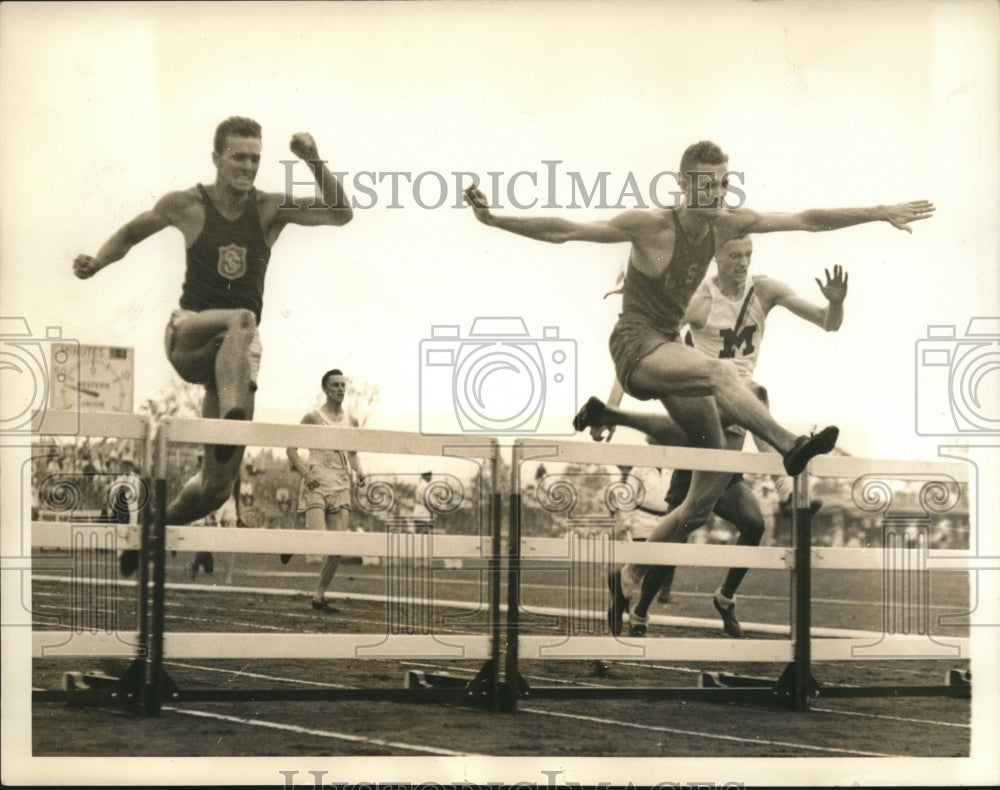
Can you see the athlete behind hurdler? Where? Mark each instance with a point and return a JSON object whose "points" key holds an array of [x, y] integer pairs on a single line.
{"points": [[325, 492], [726, 319], [669, 255], [229, 229]]}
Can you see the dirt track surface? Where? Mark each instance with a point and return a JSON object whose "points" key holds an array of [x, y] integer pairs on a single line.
{"points": [[265, 600]]}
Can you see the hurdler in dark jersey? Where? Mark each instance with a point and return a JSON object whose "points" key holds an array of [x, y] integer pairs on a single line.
{"points": [[213, 339], [694, 388], [661, 300], [227, 263], [652, 307]]}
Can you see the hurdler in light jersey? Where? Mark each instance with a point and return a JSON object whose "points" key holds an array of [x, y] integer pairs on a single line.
{"points": [[727, 314], [726, 318]]}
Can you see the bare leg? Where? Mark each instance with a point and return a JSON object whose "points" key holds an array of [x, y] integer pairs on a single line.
{"points": [[334, 522], [213, 348], [212, 486], [740, 508], [659, 427], [315, 518], [701, 420], [674, 369]]}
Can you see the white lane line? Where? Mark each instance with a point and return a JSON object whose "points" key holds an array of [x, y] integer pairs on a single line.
{"points": [[674, 731], [339, 736], [242, 673], [462, 670], [441, 578], [890, 718], [656, 619], [916, 672], [230, 622]]}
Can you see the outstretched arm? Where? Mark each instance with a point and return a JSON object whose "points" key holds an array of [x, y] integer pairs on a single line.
{"points": [[127, 236], [743, 220], [828, 318], [554, 230], [335, 208]]}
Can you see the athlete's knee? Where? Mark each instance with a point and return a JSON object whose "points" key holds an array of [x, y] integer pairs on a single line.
{"points": [[243, 319], [760, 392], [722, 376], [694, 513], [216, 491], [240, 327], [751, 531]]}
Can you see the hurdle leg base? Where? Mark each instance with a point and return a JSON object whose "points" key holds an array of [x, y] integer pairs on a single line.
{"points": [[716, 680], [773, 694], [788, 688], [131, 691], [783, 692], [960, 681], [96, 688], [514, 688], [477, 693]]}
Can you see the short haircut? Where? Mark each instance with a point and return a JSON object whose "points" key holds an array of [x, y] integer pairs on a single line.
{"points": [[721, 238], [235, 126], [702, 153], [332, 372]]}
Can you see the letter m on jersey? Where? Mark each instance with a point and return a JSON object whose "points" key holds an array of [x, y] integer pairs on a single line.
{"points": [[733, 339], [232, 261]]}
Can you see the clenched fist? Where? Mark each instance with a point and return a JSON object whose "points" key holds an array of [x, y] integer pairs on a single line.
{"points": [[85, 266], [304, 146]]}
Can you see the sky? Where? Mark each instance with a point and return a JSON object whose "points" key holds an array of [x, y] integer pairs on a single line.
{"points": [[106, 107], [814, 108]]}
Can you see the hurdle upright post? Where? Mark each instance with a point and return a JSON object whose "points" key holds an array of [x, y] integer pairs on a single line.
{"points": [[142, 576], [511, 672], [153, 690], [802, 683], [494, 565]]}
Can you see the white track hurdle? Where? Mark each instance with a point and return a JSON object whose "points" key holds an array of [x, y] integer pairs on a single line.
{"points": [[93, 629], [903, 561], [584, 553], [409, 631]]}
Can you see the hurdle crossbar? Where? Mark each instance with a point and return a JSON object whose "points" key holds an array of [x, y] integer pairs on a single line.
{"points": [[484, 691], [796, 687], [147, 686]]}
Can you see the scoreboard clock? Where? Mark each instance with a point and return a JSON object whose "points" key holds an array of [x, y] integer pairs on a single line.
{"points": [[92, 378]]}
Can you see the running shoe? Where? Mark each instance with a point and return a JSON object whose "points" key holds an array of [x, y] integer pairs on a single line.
{"points": [[808, 447], [637, 625], [728, 613], [619, 603]]}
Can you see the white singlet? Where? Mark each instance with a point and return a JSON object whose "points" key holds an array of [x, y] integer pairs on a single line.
{"points": [[721, 338]]}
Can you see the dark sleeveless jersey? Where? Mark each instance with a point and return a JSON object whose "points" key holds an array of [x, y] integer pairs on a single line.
{"points": [[661, 301], [227, 263]]}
